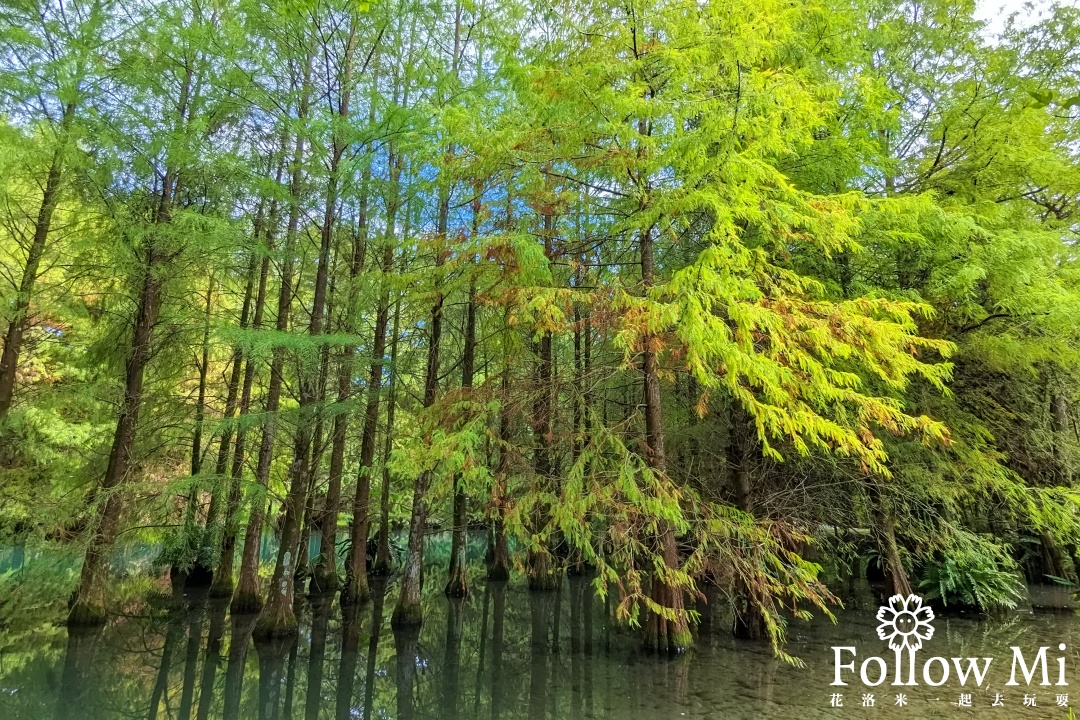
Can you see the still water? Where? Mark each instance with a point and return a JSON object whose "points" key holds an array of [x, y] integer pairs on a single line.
{"points": [[502, 653]]}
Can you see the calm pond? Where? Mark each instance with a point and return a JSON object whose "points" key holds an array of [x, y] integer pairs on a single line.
{"points": [[502, 653]]}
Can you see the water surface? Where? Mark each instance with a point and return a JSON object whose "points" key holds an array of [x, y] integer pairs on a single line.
{"points": [[503, 653]]}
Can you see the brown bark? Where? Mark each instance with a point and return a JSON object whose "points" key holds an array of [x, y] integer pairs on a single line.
{"points": [[247, 596], [278, 618], [88, 605], [383, 564], [749, 620], [356, 582], [896, 579], [222, 585], [408, 612], [324, 578], [500, 555], [13, 337], [457, 584], [221, 466], [669, 632]]}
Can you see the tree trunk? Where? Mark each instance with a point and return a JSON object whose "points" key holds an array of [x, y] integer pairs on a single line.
{"points": [[247, 596], [896, 579], [408, 611], [221, 466], [88, 606], [324, 578], [222, 585], [383, 563], [669, 632], [356, 582], [544, 573], [9, 358], [749, 621], [457, 584]]}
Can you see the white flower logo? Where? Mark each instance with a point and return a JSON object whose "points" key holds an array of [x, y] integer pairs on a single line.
{"points": [[905, 622]]}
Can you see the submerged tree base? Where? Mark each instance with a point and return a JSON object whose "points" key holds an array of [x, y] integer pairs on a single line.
{"points": [[276, 624], [323, 581], [356, 591], [457, 586], [407, 615], [222, 587], [246, 600], [86, 613]]}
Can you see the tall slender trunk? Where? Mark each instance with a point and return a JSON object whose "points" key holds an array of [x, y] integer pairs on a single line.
{"points": [[88, 605], [749, 620], [356, 582], [222, 585], [408, 612], [457, 584], [662, 634], [324, 578], [544, 572], [278, 618], [9, 358], [204, 367], [198, 575], [247, 596], [383, 564], [221, 466], [500, 555]]}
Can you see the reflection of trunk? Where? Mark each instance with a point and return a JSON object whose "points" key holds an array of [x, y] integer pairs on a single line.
{"points": [[173, 630], [271, 670], [540, 613], [452, 660], [350, 641], [587, 648], [320, 618], [662, 633], [290, 678], [211, 660], [383, 564], [577, 597], [19, 320], [378, 591], [407, 641], [478, 689], [78, 673], [239, 639], [498, 615], [191, 662]]}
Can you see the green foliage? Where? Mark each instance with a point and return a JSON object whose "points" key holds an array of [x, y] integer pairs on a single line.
{"points": [[974, 572]]}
